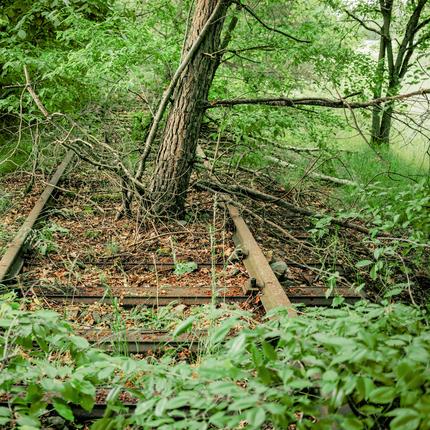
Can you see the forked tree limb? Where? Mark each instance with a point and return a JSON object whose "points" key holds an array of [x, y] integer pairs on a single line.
{"points": [[314, 101], [33, 94], [363, 23]]}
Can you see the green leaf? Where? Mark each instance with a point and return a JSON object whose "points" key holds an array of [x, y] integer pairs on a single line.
{"points": [[334, 340], [142, 407], [238, 344], [184, 326], [184, 268], [256, 417], [161, 407], [406, 419], [243, 403], [63, 409], [183, 399], [269, 351], [5, 416], [79, 342], [374, 272], [22, 34], [382, 395], [363, 263], [352, 424]]}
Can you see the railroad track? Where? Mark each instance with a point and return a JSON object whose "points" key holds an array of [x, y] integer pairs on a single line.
{"points": [[254, 284]]}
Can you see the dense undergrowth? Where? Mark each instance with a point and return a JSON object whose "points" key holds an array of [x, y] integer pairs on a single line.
{"points": [[362, 366]]}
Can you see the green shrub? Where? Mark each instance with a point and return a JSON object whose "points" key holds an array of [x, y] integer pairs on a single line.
{"points": [[360, 367]]}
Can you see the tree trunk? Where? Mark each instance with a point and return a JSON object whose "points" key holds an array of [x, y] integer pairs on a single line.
{"points": [[175, 159], [381, 125], [377, 91], [385, 54]]}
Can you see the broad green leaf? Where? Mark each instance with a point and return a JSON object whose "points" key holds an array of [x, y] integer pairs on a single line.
{"points": [[142, 407], [79, 342], [406, 419], [184, 326], [256, 417], [161, 407], [352, 424], [382, 395], [238, 344], [63, 409], [363, 263]]}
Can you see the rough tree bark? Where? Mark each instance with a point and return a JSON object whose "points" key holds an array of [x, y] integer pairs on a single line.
{"points": [[169, 183]]}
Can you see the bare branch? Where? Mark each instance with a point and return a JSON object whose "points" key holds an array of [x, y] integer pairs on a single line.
{"points": [[362, 22], [267, 27], [314, 101]]}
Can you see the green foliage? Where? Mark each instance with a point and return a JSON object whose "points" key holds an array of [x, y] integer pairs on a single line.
{"points": [[43, 239], [5, 203], [282, 372], [396, 209], [13, 155], [182, 268]]}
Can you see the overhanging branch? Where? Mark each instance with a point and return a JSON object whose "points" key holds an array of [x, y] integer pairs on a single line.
{"points": [[362, 22], [267, 27], [314, 101]]}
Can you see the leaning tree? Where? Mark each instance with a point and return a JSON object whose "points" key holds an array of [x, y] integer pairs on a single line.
{"points": [[186, 100]]}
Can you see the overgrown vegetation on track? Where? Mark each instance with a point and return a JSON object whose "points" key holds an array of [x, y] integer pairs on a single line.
{"points": [[358, 366]]}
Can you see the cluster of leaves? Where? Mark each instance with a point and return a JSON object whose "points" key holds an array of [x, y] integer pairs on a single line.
{"points": [[82, 54], [360, 367], [43, 240], [405, 209], [29, 32], [401, 212]]}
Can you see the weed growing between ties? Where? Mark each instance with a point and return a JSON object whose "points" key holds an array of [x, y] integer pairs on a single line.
{"points": [[367, 361]]}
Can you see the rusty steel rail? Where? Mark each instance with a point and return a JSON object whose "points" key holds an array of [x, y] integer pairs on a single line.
{"points": [[11, 263], [136, 341], [272, 293], [150, 301]]}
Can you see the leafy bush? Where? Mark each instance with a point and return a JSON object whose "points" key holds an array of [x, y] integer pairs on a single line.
{"points": [[360, 367], [392, 209]]}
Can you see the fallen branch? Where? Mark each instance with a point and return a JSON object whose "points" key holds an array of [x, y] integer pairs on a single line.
{"points": [[68, 142], [314, 101], [258, 195], [227, 201], [315, 175]]}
